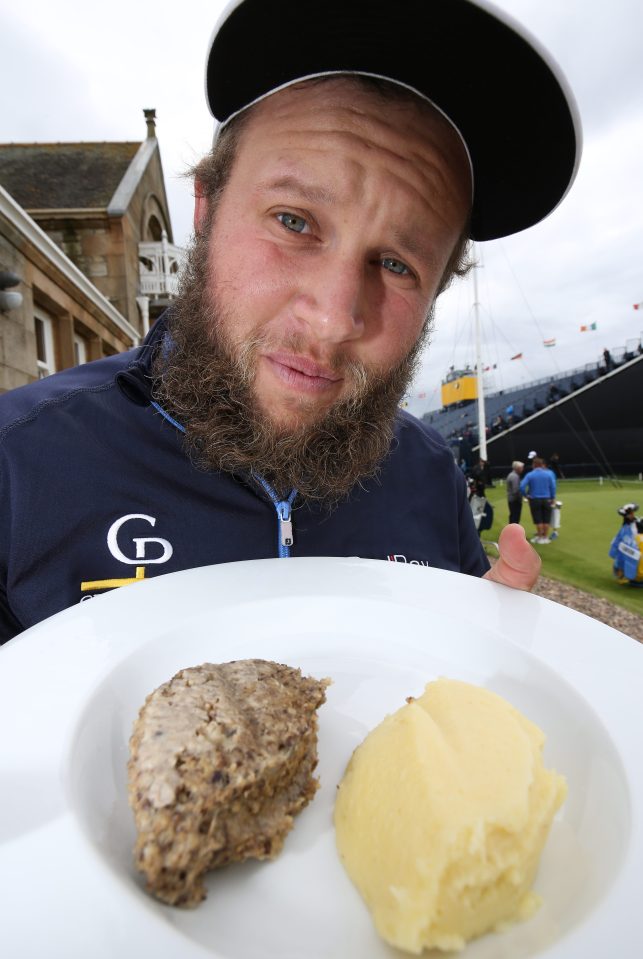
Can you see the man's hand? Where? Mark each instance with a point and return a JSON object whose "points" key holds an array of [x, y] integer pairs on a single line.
{"points": [[519, 563]]}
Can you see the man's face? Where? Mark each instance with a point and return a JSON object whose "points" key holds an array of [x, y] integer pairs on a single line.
{"points": [[330, 241]]}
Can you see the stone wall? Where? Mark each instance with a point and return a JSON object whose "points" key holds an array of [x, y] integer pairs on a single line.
{"points": [[47, 289]]}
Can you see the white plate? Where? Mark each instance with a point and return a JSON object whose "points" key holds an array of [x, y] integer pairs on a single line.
{"points": [[71, 688]]}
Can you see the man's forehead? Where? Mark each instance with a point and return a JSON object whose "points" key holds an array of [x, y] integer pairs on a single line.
{"points": [[343, 108], [339, 131], [349, 94]]}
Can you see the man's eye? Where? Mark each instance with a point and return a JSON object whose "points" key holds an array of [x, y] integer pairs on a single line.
{"points": [[295, 223], [395, 266]]}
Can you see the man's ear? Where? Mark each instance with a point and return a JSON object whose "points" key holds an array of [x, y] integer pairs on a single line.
{"points": [[200, 206]]}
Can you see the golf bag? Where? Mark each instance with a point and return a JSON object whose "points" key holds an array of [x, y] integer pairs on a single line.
{"points": [[627, 548]]}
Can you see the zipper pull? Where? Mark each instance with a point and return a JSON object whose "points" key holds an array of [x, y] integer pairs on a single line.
{"points": [[285, 523]]}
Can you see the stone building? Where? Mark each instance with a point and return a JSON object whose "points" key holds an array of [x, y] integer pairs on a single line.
{"points": [[86, 244], [51, 316]]}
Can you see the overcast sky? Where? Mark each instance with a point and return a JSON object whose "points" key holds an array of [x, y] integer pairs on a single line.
{"points": [[79, 71]]}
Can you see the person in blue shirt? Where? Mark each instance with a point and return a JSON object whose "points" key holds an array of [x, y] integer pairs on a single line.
{"points": [[261, 416], [539, 486]]}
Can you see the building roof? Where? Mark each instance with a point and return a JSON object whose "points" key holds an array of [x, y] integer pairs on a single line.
{"points": [[56, 176]]}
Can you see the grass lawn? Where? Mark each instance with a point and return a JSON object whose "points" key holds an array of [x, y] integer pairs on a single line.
{"points": [[589, 522]]}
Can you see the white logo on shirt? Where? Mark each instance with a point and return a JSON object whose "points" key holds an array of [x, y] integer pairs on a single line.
{"points": [[141, 543], [401, 558]]}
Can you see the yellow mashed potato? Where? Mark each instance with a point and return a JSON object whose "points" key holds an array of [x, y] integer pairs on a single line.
{"points": [[442, 815]]}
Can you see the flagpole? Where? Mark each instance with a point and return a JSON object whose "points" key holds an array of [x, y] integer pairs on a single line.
{"points": [[482, 423]]}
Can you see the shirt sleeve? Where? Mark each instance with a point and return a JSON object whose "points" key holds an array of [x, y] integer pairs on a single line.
{"points": [[9, 625]]}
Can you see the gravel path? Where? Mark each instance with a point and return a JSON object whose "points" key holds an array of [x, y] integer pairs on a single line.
{"points": [[629, 623], [601, 609]]}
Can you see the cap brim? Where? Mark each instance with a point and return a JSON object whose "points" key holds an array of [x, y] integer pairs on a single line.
{"points": [[505, 96]]}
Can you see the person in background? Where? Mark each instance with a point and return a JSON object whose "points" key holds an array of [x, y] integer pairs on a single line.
{"points": [[530, 462], [539, 486], [514, 496], [554, 465]]}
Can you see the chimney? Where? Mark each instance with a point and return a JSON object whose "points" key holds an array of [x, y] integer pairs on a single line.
{"points": [[150, 119]]}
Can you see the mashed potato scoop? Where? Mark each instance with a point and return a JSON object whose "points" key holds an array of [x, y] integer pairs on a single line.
{"points": [[442, 815]]}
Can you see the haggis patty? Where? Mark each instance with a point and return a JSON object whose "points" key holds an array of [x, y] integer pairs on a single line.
{"points": [[221, 759]]}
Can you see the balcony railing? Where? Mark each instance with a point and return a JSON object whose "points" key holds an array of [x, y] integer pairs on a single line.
{"points": [[159, 265]]}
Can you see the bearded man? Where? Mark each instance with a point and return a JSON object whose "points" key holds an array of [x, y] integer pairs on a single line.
{"points": [[261, 416]]}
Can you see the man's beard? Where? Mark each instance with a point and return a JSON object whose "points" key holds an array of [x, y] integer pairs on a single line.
{"points": [[206, 383]]}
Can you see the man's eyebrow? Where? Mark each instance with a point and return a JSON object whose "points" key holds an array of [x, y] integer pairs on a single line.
{"points": [[416, 246], [292, 184]]}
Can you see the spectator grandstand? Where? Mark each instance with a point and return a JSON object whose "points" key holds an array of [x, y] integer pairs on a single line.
{"points": [[506, 410]]}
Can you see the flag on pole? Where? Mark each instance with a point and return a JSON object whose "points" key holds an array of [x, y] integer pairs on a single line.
{"points": [[589, 326], [551, 342], [518, 356]]}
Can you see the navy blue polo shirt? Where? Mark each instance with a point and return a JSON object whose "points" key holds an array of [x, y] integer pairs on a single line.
{"points": [[96, 491]]}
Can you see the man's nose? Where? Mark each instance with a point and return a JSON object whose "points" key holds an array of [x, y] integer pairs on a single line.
{"points": [[331, 300]]}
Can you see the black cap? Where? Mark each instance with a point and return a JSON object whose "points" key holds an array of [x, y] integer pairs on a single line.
{"points": [[503, 93]]}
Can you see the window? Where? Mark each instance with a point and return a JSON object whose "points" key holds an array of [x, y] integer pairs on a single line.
{"points": [[45, 354], [80, 349], [154, 229]]}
